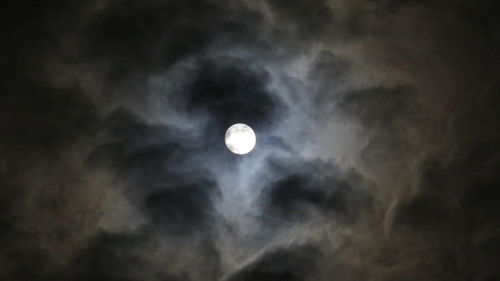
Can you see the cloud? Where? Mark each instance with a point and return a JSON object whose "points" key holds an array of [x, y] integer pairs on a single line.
{"points": [[294, 263], [377, 150], [228, 91], [312, 188]]}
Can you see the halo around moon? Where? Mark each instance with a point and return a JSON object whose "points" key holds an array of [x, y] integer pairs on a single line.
{"points": [[240, 139]]}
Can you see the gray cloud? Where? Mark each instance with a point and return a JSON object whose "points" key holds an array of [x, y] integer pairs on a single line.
{"points": [[377, 147], [318, 187]]}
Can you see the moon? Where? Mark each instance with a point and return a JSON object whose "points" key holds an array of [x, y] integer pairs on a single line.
{"points": [[240, 139]]}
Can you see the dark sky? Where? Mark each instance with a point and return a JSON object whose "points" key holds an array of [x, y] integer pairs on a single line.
{"points": [[378, 144]]}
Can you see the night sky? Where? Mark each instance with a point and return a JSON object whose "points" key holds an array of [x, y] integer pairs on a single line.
{"points": [[378, 140]]}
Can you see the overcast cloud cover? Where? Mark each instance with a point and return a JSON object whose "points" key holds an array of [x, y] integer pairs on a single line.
{"points": [[377, 152]]}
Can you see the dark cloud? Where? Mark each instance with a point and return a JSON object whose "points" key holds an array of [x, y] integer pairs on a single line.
{"points": [[384, 147], [298, 195], [140, 38], [305, 16], [377, 144], [379, 106], [391, 6], [454, 213], [57, 117], [144, 155], [109, 257], [148, 35], [294, 263], [121, 257], [180, 209], [422, 212], [316, 20], [328, 65], [230, 91]]}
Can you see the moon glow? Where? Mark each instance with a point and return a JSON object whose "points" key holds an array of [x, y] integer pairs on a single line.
{"points": [[240, 139]]}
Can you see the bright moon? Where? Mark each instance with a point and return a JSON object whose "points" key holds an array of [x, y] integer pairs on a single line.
{"points": [[240, 138]]}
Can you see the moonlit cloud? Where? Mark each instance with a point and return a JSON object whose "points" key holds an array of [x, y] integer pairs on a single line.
{"points": [[376, 159]]}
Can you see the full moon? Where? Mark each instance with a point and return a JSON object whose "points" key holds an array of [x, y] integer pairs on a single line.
{"points": [[240, 138]]}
